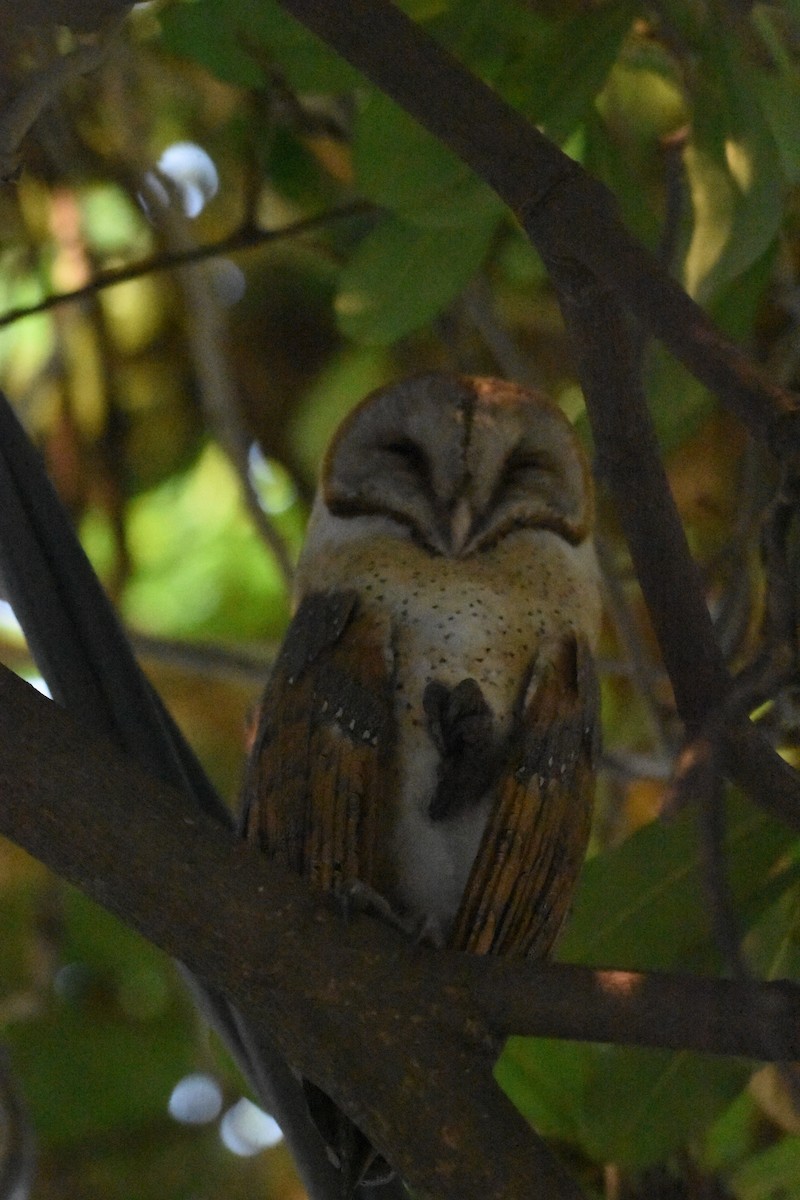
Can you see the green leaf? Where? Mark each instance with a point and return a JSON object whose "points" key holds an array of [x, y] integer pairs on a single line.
{"points": [[618, 1104], [772, 946], [736, 305], [199, 567], [556, 82], [678, 401], [547, 1080], [208, 35], [106, 1051], [489, 35], [641, 905], [731, 1137], [734, 171], [643, 1104], [402, 276], [239, 40], [778, 89], [771, 1175], [625, 174], [354, 371], [779, 99], [402, 167]]}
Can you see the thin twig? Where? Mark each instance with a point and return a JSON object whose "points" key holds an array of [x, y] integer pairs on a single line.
{"points": [[210, 661], [17, 1138], [733, 618], [778, 660], [672, 149], [709, 787], [719, 901], [633, 644], [675, 196], [206, 334], [479, 305], [628, 458], [204, 659], [246, 237]]}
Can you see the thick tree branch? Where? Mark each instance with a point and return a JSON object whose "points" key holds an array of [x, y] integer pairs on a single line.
{"points": [[401, 1036], [565, 212], [628, 458], [82, 651], [342, 1004]]}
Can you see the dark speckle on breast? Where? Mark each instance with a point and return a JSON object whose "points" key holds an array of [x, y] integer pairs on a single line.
{"points": [[480, 617]]}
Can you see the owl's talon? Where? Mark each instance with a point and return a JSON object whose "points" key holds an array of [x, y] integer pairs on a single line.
{"points": [[361, 897], [421, 930]]}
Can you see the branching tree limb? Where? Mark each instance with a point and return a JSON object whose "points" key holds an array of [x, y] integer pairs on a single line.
{"points": [[86, 659], [246, 237], [343, 1005], [403, 1037], [564, 210]]}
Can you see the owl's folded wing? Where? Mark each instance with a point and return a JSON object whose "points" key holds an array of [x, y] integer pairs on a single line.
{"points": [[521, 884], [318, 765]]}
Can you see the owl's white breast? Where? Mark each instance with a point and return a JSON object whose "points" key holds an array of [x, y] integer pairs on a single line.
{"points": [[483, 617]]}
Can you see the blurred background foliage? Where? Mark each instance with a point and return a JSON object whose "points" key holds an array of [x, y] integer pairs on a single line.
{"points": [[182, 413]]}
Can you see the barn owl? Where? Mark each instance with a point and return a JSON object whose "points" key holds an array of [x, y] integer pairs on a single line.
{"points": [[429, 730]]}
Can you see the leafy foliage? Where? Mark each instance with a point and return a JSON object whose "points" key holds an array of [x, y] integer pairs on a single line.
{"points": [[689, 112]]}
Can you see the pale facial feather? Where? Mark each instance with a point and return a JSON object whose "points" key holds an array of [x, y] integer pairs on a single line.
{"points": [[459, 466]]}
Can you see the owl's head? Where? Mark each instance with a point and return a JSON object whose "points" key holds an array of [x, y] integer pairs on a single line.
{"points": [[459, 462]]}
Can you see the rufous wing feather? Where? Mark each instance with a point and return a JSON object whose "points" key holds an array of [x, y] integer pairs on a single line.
{"points": [[521, 884], [317, 773], [316, 789]]}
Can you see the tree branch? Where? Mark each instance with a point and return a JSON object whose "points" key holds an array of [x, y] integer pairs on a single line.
{"points": [[342, 1004], [81, 649], [205, 330], [246, 237], [403, 1037], [628, 457], [564, 210]]}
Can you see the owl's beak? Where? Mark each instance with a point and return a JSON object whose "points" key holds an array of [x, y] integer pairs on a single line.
{"points": [[461, 518]]}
